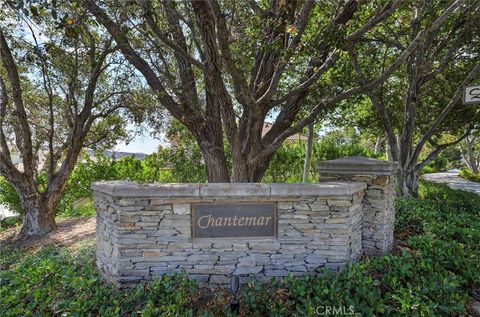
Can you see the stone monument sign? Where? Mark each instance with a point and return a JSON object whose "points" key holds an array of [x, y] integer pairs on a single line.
{"points": [[253, 230]]}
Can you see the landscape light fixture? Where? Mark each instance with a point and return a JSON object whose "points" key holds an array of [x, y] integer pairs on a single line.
{"points": [[234, 286]]}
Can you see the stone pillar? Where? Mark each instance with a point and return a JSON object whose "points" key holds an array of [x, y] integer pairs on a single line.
{"points": [[378, 202]]}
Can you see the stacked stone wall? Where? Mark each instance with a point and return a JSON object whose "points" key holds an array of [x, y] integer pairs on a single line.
{"points": [[145, 231]]}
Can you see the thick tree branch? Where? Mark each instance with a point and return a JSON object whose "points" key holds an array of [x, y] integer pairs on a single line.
{"points": [[3, 115], [136, 60], [218, 99], [440, 148], [21, 114], [240, 84], [180, 48], [188, 94], [290, 50], [386, 11]]}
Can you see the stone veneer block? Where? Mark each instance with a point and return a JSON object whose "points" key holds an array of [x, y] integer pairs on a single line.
{"points": [[144, 230], [378, 201]]}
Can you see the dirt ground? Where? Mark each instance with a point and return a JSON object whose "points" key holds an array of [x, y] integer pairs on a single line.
{"points": [[69, 231]]}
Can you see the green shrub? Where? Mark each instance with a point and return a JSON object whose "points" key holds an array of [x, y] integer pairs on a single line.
{"points": [[453, 156], [448, 222], [335, 145], [287, 162], [450, 199], [167, 165], [286, 165], [428, 169], [9, 197], [438, 164], [469, 175], [10, 222], [405, 285]]}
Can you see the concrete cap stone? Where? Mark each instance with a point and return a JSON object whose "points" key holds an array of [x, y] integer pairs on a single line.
{"points": [[234, 189], [327, 189], [228, 190], [357, 166], [150, 190]]}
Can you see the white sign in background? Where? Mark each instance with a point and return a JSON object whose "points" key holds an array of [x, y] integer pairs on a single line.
{"points": [[471, 95]]}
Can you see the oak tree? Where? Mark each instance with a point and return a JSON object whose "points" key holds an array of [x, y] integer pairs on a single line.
{"points": [[223, 67], [422, 101], [62, 87]]}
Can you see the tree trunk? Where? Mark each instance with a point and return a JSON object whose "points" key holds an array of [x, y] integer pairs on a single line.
{"points": [[378, 145], [470, 158], [392, 148], [308, 154], [215, 164], [257, 171], [475, 168], [39, 215], [408, 181]]}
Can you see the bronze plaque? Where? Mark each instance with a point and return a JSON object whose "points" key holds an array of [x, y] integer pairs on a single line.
{"points": [[235, 220]]}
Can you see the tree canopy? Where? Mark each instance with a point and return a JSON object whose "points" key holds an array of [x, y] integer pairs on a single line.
{"points": [[224, 67], [73, 74]]}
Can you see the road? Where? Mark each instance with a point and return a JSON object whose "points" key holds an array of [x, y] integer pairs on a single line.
{"points": [[451, 179], [5, 212]]}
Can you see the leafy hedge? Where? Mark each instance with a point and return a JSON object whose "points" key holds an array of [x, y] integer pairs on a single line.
{"points": [[182, 164], [469, 175], [435, 271]]}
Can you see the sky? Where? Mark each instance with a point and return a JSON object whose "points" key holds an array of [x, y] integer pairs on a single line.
{"points": [[142, 142]]}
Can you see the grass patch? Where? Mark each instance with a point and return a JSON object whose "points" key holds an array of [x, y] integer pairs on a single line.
{"points": [[434, 272]]}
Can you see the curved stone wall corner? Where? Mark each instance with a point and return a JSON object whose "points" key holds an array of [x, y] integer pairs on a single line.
{"points": [[145, 230]]}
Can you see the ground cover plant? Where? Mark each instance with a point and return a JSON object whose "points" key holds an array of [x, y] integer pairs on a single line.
{"points": [[434, 271]]}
